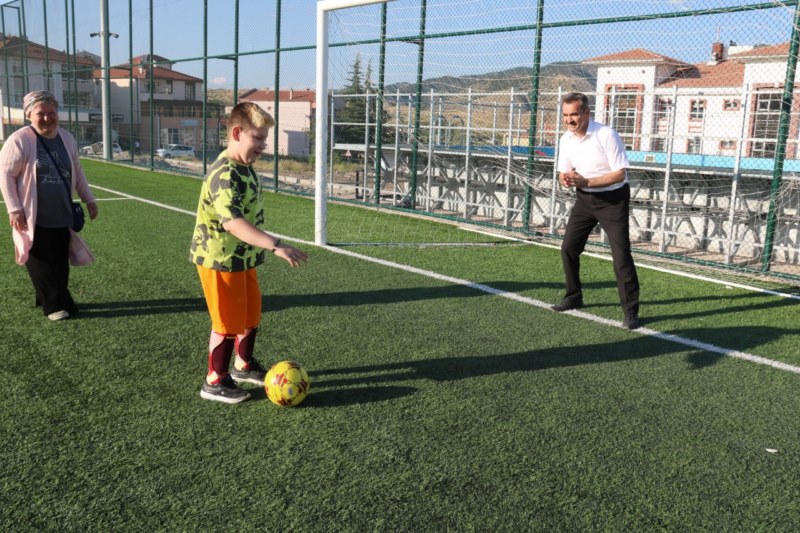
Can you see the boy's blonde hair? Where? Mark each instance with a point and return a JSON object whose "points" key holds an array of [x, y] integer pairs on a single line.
{"points": [[248, 114]]}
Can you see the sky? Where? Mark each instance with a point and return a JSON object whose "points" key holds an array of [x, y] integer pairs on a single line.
{"points": [[178, 34]]}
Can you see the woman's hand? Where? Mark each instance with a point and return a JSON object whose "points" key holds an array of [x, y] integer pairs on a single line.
{"points": [[92, 208], [18, 221]]}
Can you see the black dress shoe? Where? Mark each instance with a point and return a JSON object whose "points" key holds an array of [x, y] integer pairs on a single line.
{"points": [[566, 305], [631, 321]]}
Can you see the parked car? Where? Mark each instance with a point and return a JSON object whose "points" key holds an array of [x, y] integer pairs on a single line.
{"points": [[97, 149], [175, 150]]}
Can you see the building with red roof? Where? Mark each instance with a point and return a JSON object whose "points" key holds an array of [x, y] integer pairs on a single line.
{"points": [[727, 104], [177, 105], [28, 66], [177, 98]]}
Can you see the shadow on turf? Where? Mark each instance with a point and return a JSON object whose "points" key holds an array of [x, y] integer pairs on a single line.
{"points": [[141, 307], [342, 397], [355, 395], [471, 366], [277, 302], [735, 303]]}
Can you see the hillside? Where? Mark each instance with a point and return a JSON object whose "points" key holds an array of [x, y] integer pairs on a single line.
{"points": [[568, 76]]}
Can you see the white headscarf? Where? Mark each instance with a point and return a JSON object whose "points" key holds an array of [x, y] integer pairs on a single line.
{"points": [[34, 98]]}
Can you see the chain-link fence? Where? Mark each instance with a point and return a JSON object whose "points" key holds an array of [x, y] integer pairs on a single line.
{"points": [[451, 108]]}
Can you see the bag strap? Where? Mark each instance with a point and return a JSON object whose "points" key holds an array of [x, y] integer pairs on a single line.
{"points": [[61, 171]]}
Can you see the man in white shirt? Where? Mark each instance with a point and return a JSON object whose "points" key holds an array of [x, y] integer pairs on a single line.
{"points": [[591, 158]]}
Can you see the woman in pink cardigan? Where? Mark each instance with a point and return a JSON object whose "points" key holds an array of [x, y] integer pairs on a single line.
{"points": [[35, 164]]}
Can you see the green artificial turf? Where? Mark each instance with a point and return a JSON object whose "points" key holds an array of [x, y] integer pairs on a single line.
{"points": [[433, 406]]}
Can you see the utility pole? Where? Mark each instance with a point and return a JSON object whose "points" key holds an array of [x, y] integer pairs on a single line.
{"points": [[105, 90]]}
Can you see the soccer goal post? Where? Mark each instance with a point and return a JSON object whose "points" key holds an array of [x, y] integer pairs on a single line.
{"points": [[324, 7]]}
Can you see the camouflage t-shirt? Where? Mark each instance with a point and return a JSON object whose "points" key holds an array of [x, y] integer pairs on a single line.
{"points": [[230, 190]]}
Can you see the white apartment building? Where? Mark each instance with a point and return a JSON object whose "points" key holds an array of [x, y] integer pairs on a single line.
{"points": [[728, 106], [27, 66], [296, 115]]}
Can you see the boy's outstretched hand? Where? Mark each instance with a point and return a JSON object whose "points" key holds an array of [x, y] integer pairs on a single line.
{"points": [[291, 255]]}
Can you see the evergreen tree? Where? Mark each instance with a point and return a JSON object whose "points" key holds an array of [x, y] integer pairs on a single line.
{"points": [[355, 77], [353, 112], [368, 78]]}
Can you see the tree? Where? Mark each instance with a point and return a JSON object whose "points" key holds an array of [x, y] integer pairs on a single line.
{"points": [[355, 77], [368, 78], [353, 113]]}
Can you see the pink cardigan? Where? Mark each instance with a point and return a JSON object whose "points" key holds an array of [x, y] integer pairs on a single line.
{"points": [[18, 185]]}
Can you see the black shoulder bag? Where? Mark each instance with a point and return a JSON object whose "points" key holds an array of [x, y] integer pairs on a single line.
{"points": [[78, 217]]}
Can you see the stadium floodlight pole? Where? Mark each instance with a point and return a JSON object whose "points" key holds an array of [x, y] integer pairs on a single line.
{"points": [[321, 142]]}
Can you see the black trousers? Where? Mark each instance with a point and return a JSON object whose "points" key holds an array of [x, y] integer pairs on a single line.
{"points": [[611, 210], [48, 268]]}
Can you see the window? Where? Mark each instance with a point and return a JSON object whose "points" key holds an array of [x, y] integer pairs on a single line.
{"points": [[658, 144], [159, 86], [82, 99], [15, 65], [661, 113], [170, 136], [188, 91], [622, 114], [694, 145], [187, 136], [731, 105], [697, 110], [765, 123], [16, 96], [727, 145]]}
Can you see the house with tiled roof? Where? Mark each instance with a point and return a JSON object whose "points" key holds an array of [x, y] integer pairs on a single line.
{"points": [[29, 66], [717, 107], [177, 105], [296, 109]]}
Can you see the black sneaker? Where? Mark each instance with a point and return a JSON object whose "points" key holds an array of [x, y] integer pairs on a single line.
{"points": [[566, 305], [224, 391], [631, 321], [254, 373]]}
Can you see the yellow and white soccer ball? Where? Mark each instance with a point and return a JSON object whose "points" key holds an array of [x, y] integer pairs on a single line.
{"points": [[287, 383]]}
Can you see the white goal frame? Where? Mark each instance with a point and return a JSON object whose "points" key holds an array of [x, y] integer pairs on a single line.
{"points": [[320, 152]]}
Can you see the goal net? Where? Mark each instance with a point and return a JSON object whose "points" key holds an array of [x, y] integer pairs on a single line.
{"points": [[445, 117]]}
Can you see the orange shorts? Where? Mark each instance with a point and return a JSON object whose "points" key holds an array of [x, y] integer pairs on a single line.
{"points": [[233, 299]]}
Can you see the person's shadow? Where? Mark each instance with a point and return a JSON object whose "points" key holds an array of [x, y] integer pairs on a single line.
{"points": [[348, 385], [277, 302], [141, 308]]}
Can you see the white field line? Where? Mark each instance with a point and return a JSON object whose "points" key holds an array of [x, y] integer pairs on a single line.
{"points": [[145, 201], [691, 343], [649, 267]]}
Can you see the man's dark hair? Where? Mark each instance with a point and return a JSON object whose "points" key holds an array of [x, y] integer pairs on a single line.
{"points": [[571, 98]]}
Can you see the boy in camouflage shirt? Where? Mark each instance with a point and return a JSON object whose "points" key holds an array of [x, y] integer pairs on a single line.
{"points": [[227, 245]]}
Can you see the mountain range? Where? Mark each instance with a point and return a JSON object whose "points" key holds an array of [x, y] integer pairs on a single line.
{"points": [[569, 76]]}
